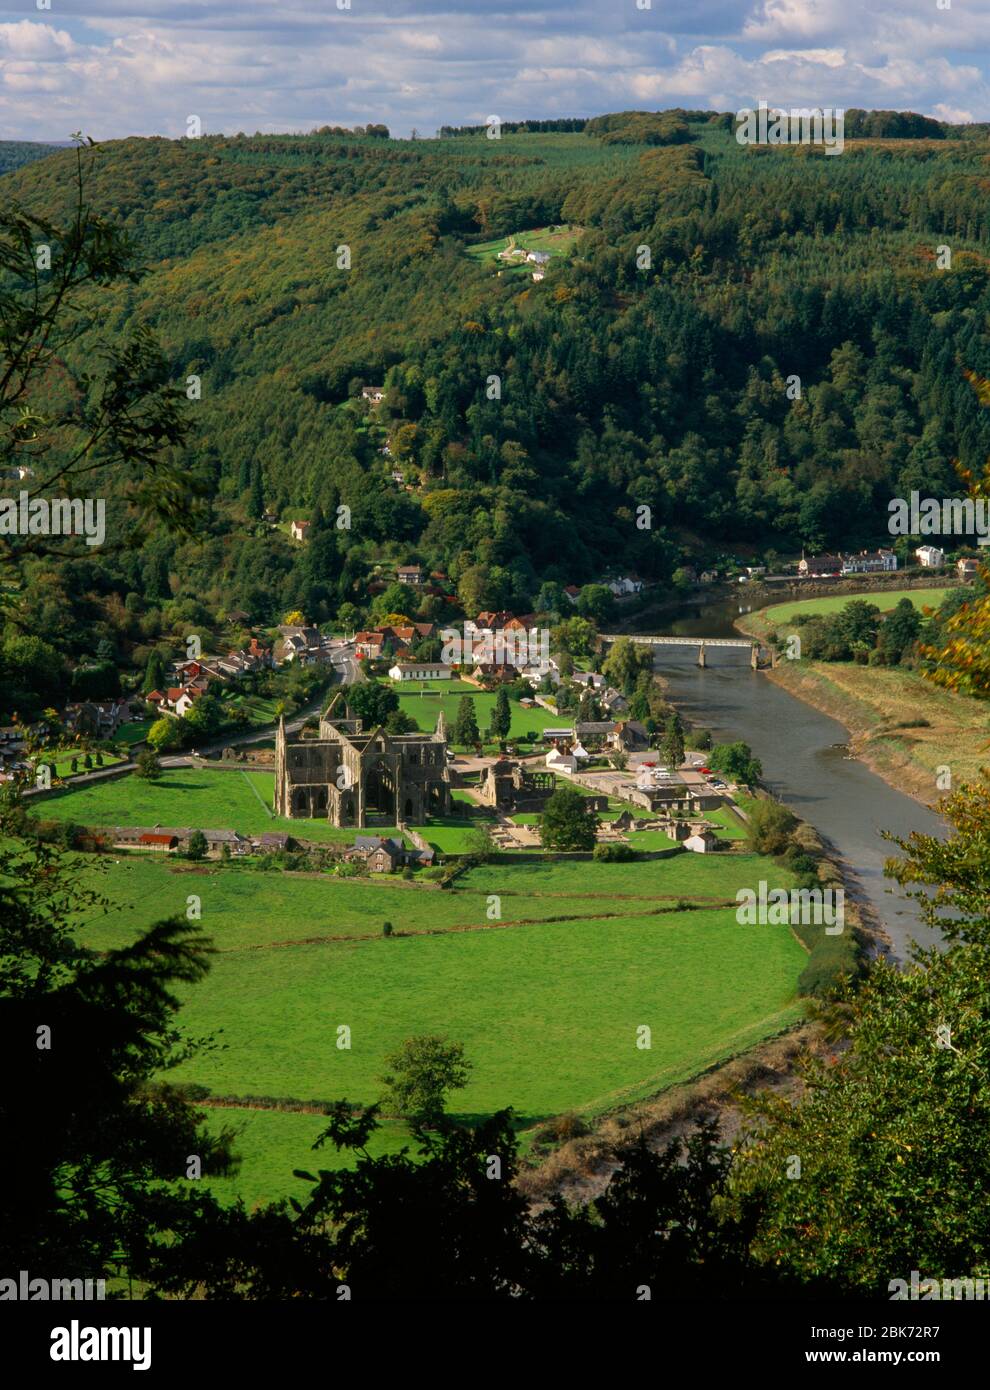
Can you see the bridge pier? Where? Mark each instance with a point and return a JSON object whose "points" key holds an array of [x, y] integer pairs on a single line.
{"points": [[702, 662]]}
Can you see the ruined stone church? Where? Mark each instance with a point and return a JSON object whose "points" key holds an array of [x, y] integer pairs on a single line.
{"points": [[351, 777]]}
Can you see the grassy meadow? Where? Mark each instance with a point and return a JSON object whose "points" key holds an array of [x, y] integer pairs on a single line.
{"points": [[769, 619], [546, 994]]}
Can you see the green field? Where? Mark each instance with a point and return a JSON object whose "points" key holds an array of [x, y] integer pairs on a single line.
{"points": [[560, 241], [185, 796], [61, 762], [271, 1143], [546, 995], [547, 1012], [730, 827], [425, 708], [768, 618]]}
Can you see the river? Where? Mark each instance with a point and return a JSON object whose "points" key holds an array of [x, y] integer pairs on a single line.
{"points": [[803, 756]]}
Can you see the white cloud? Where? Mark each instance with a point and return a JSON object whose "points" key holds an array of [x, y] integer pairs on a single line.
{"points": [[119, 67]]}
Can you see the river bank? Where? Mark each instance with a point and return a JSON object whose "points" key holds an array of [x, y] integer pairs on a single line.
{"points": [[919, 738]]}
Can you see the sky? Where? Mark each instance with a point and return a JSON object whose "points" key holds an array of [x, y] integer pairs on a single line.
{"points": [[113, 68]]}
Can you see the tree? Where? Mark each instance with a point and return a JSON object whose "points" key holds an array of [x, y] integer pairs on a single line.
{"points": [[154, 672], [465, 730], [899, 631], [147, 765], [348, 617], [372, 702], [597, 603], [736, 761], [120, 414], [501, 716], [769, 827], [197, 846], [672, 744], [164, 734], [576, 636], [97, 1176], [399, 722], [421, 1073], [900, 1117], [626, 662], [203, 719], [567, 822]]}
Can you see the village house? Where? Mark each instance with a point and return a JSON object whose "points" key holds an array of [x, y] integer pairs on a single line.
{"points": [[625, 585], [99, 720], [383, 855], [410, 574], [374, 394], [420, 671], [301, 644], [565, 763], [701, 842], [930, 557], [967, 569], [299, 530], [369, 645], [870, 562], [816, 566]]}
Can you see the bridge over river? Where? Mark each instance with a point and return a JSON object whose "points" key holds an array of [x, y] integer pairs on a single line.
{"points": [[743, 643]]}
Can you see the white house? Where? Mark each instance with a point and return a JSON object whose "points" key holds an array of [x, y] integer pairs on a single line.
{"points": [[701, 841], [538, 257], [930, 557], [866, 562], [561, 762], [420, 671], [624, 585], [373, 393], [410, 574], [299, 530]]}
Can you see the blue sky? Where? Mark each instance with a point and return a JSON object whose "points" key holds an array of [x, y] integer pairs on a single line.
{"points": [[141, 67]]}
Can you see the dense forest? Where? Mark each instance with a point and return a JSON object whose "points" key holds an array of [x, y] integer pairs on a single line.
{"points": [[759, 344]]}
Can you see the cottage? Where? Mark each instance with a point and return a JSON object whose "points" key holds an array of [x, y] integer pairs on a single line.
{"points": [[410, 574], [381, 855], [557, 761], [701, 842], [967, 569], [299, 530], [374, 394], [420, 671], [930, 557], [818, 565], [625, 585], [369, 644]]}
